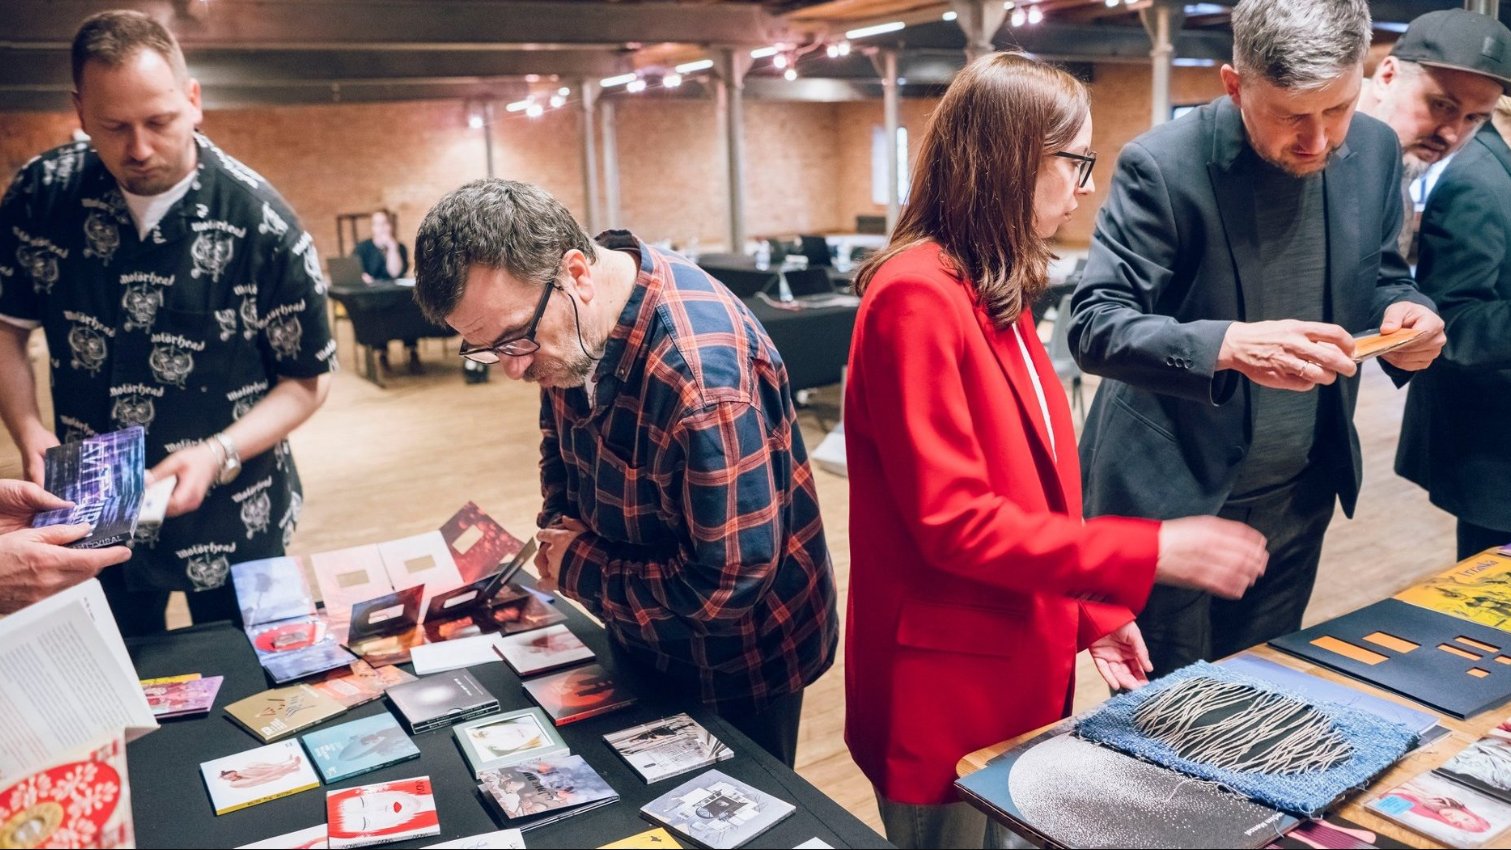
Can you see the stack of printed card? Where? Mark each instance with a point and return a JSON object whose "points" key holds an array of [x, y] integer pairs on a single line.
{"points": [[181, 696]]}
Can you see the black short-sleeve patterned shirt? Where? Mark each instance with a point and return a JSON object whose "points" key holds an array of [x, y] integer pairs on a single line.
{"points": [[181, 332]]}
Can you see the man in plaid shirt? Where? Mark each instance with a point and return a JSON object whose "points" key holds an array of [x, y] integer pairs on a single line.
{"points": [[679, 504]]}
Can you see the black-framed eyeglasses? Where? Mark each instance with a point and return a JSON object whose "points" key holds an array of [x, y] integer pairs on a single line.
{"points": [[1084, 163], [512, 343]]}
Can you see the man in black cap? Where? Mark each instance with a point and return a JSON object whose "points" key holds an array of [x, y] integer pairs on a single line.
{"points": [[1453, 440], [1437, 87]]}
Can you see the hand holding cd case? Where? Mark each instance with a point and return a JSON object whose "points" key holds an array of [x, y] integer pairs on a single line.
{"points": [[104, 476]]}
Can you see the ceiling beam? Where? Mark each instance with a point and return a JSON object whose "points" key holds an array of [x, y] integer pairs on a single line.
{"points": [[407, 24]]}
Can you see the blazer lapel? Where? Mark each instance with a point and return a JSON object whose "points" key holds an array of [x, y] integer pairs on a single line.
{"points": [[1004, 346], [1338, 182], [1235, 205]]}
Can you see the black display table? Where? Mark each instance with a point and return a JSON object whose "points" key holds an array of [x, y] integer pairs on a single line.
{"points": [[814, 342], [172, 807], [381, 312]]}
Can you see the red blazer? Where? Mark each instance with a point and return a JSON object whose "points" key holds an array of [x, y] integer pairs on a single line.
{"points": [[973, 578]]}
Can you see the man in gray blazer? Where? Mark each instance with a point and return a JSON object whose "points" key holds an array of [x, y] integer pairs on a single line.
{"points": [[1239, 249]]}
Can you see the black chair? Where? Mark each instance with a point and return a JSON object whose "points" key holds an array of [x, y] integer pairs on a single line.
{"points": [[744, 282], [816, 249]]}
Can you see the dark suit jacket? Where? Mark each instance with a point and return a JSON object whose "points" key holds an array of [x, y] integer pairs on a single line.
{"points": [[1453, 440], [1174, 260]]}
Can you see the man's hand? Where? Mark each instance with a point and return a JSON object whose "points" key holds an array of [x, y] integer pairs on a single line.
{"points": [[32, 451], [34, 563], [1420, 352], [196, 467], [553, 547], [1220, 556], [21, 500], [1122, 659], [1288, 354]]}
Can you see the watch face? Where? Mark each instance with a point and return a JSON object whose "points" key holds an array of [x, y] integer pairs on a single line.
{"points": [[228, 472]]}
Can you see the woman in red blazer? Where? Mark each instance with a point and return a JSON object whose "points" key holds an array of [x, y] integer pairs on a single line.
{"points": [[974, 580]]}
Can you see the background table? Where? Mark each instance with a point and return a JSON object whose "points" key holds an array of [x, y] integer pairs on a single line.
{"points": [[1461, 733], [172, 807], [381, 312]]}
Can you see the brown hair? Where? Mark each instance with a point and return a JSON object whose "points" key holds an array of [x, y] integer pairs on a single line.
{"points": [[114, 37], [973, 182]]}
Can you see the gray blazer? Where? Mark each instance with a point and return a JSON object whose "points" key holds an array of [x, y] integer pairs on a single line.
{"points": [[1453, 440], [1174, 260]]}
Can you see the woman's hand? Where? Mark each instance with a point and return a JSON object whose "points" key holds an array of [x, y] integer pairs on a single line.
{"points": [[1122, 659]]}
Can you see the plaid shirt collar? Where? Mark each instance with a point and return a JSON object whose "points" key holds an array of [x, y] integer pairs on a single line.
{"points": [[627, 340]]}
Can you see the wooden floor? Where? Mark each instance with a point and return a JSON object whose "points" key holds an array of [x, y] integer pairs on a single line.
{"points": [[379, 464]]}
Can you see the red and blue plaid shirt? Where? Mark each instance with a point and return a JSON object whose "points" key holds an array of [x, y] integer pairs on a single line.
{"points": [[704, 554]]}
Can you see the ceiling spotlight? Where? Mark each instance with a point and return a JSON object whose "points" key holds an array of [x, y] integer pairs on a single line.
{"points": [[622, 79], [475, 121], [763, 52], [1035, 16], [532, 78], [564, 91], [521, 105], [558, 101], [879, 29], [534, 110], [1018, 18], [790, 74], [1111, 3], [844, 48], [671, 81], [635, 86], [950, 16], [832, 51], [694, 67], [779, 60]]}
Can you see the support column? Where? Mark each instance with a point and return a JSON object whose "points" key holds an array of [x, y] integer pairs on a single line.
{"points": [[590, 91], [890, 110], [1484, 7], [979, 20], [487, 111], [730, 64], [1162, 21], [612, 215]]}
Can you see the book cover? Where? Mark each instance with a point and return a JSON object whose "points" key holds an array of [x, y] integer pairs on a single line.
{"points": [[1484, 766], [1444, 811], [104, 476], [381, 813], [257, 776], [360, 683], [714, 810], [527, 791], [577, 694], [1318, 688], [1041, 785], [542, 650], [509, 738], [323, 657], [477, 543], [651, 839], [1334, 833], [503, 839], [81, 799], [180, 699], [440, 700], [359, 746], [667, 747], [1476, 589], [309, 838], [281, 712], [271, 589]]}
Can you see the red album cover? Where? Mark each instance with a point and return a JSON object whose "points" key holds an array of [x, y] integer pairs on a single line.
{"points": [[477, 542], [283, 637], [578, 694], [80, 801], [380, 813]]}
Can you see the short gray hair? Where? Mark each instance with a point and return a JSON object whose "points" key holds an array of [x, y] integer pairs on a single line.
{"points": [[496, 224], [113, 37], [1300, 44]]}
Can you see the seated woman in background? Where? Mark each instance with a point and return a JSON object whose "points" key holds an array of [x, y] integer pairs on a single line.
{"points": [[385, 258], [974, 579]]}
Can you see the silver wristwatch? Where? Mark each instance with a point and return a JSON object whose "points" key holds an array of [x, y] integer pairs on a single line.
{"points": [[230, 461]]}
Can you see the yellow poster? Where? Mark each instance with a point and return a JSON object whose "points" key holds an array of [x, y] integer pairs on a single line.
{"points": [[1476, 589]]}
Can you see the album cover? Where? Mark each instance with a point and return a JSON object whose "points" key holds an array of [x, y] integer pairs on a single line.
{"points": [[503, 839], [463, 611], [1484, 766], [651, 839], [1444, 811], [381, 813], [1477, 588], [478, 544], [281, 712], [667, 747], [431, 702], [82, 799], [271, 589], [577, 694], [714, 810], [530, 791], [384, 629], [323, 657], [269, 639], [542, 650], [359, 746], [420, 560], [454, 654], [1326, 690], [104, 476], [361, 683], [504, 739], [1334, 833], [257, 776], [348, 576], [180, 699], [524, 613], [309, 838]]}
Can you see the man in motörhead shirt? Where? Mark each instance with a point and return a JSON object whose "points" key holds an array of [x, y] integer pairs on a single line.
{"points": [[177, 292]]}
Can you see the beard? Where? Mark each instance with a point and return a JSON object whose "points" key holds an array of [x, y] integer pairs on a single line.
{"points": [[1292, 169], [1413, 168]]}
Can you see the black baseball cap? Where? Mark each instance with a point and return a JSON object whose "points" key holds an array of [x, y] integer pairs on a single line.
{"points": [[1459, 39]]}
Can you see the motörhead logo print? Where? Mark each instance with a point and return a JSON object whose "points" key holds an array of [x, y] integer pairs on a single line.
{"points": [[141, 303], [41, 262], [211, 253], [248, 317], [89, 348], [272, 222], [257, 513], [147, 534], [208, 571], [227, 321], [101, 236], [133, 409], [171, 364], [284, 336], [291, 518]]}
